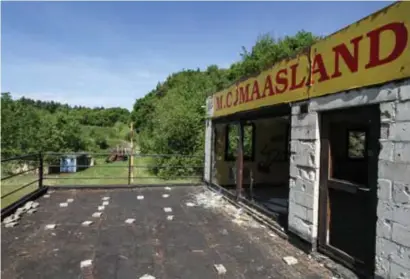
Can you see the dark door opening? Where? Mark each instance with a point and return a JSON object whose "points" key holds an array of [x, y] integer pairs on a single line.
{"points": [[348, 185]]}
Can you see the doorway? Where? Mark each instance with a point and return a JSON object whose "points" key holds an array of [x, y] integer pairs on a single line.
{"points": [[348, 185]]}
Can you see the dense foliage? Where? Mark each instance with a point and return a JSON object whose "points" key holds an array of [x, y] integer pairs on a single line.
{"points": [[32, 126], [170, 118]]}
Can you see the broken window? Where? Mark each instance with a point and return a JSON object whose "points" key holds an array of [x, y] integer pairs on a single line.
{"points": [[232, 141], [357, 144]]}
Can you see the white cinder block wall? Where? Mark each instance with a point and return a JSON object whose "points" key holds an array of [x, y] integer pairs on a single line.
{"points": [[393, 210]]}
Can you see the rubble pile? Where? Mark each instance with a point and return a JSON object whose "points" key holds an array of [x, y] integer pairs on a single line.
{"points": [[29, 208]]}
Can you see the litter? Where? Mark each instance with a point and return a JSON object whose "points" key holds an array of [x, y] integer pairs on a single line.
{"points": [[11, 224], [105, 198], [220, 268], [70, 200], [147, 276], [140, 197], [63, 204], [170, 217], [46, 196], [101, 207], [289, 260], [86, 223], [50, 227], [31, 211], [86, 263], [165, 196], [167, 209], [167, 188], [97, 214], [130, 221], [105, 203], [190, 204]]}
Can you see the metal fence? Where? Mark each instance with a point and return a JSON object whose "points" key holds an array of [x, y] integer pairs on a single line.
{"points": [[24, 174]]}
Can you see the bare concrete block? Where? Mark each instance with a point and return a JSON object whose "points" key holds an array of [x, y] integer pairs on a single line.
{"points": [[400, 131], [301, 198], [297, 210], [401, 193], [295, 109], [398, 271], [401, 235], [393, 251], [289, 260], [304, 133], [403, 111], [384, 189], [401, 215], [307, 119], [387, 150], [404, 93], [394, 171], [382, 267], [402, 151], [300, 227], [384, 228], [387, 111]]}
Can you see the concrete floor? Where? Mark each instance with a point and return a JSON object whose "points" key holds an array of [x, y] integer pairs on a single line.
{"points": [[186, 247]]}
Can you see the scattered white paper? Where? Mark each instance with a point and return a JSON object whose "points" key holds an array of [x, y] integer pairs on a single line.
{"points": [[105, 203], [50, 227], [86, 223], [140, 197], [63, 204], [130, 221], [101, 207], [46, 196], [190, 204], [105, 198], [165, 196], [147, 276], [220, 269], [70, 200], [167, 209], [97, 214], [167, 188], [289, 260], [170, 217], [86, 263]]}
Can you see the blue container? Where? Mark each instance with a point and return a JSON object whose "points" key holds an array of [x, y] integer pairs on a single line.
{"points": [[68, 164]]}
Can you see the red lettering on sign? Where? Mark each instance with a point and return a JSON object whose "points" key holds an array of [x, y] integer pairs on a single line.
{"points": [[280, 80], [351, 60], [293, 84], [319, 67]]}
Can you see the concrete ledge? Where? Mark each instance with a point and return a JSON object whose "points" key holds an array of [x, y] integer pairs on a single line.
{"points": [[32, 196], [120, 186]]}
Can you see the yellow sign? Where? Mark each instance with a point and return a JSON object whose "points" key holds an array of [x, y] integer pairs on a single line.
{"points": [[372, 51]]}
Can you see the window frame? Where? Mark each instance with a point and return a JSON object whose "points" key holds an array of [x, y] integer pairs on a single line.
{"points": [[250, 158]]}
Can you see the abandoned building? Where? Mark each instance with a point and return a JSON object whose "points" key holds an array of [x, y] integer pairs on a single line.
{"points": [[320, 143]]}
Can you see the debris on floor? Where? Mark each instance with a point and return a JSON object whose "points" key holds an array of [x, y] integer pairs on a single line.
{"points": [[167, 209], [31, 211], [101, 207], [105, 198], [86, 263], [46, 196], [11, 224], [70, 200], [86, 223], [147, 276], [190, 204], [220, 269], [170, 217], [165, 196], [289, 260], [140, 197], [63, 204], [50, 227], [130, 221], [167, 188], [97, 214], [105, 203]]}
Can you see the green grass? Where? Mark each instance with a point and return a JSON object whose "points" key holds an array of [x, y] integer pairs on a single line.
{"points": [[100, 174]]}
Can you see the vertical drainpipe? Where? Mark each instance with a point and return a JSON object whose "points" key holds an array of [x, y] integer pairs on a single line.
{"points": [[239, 160]]}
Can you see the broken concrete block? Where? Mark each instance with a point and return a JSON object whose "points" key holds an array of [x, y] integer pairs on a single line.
{"points": [[50, 227], [170, 217], [63, 204], [21, 210], [101, 207], [220, 269], [97, 214], [130, 221], [31, 211], [165, 196], [167, 209], [289, 260], [190, 204], [140, 197], [86, 223], [105, 203], [105, 198], [147, 276], [11, 224], [86, 263], [70, 200]]}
